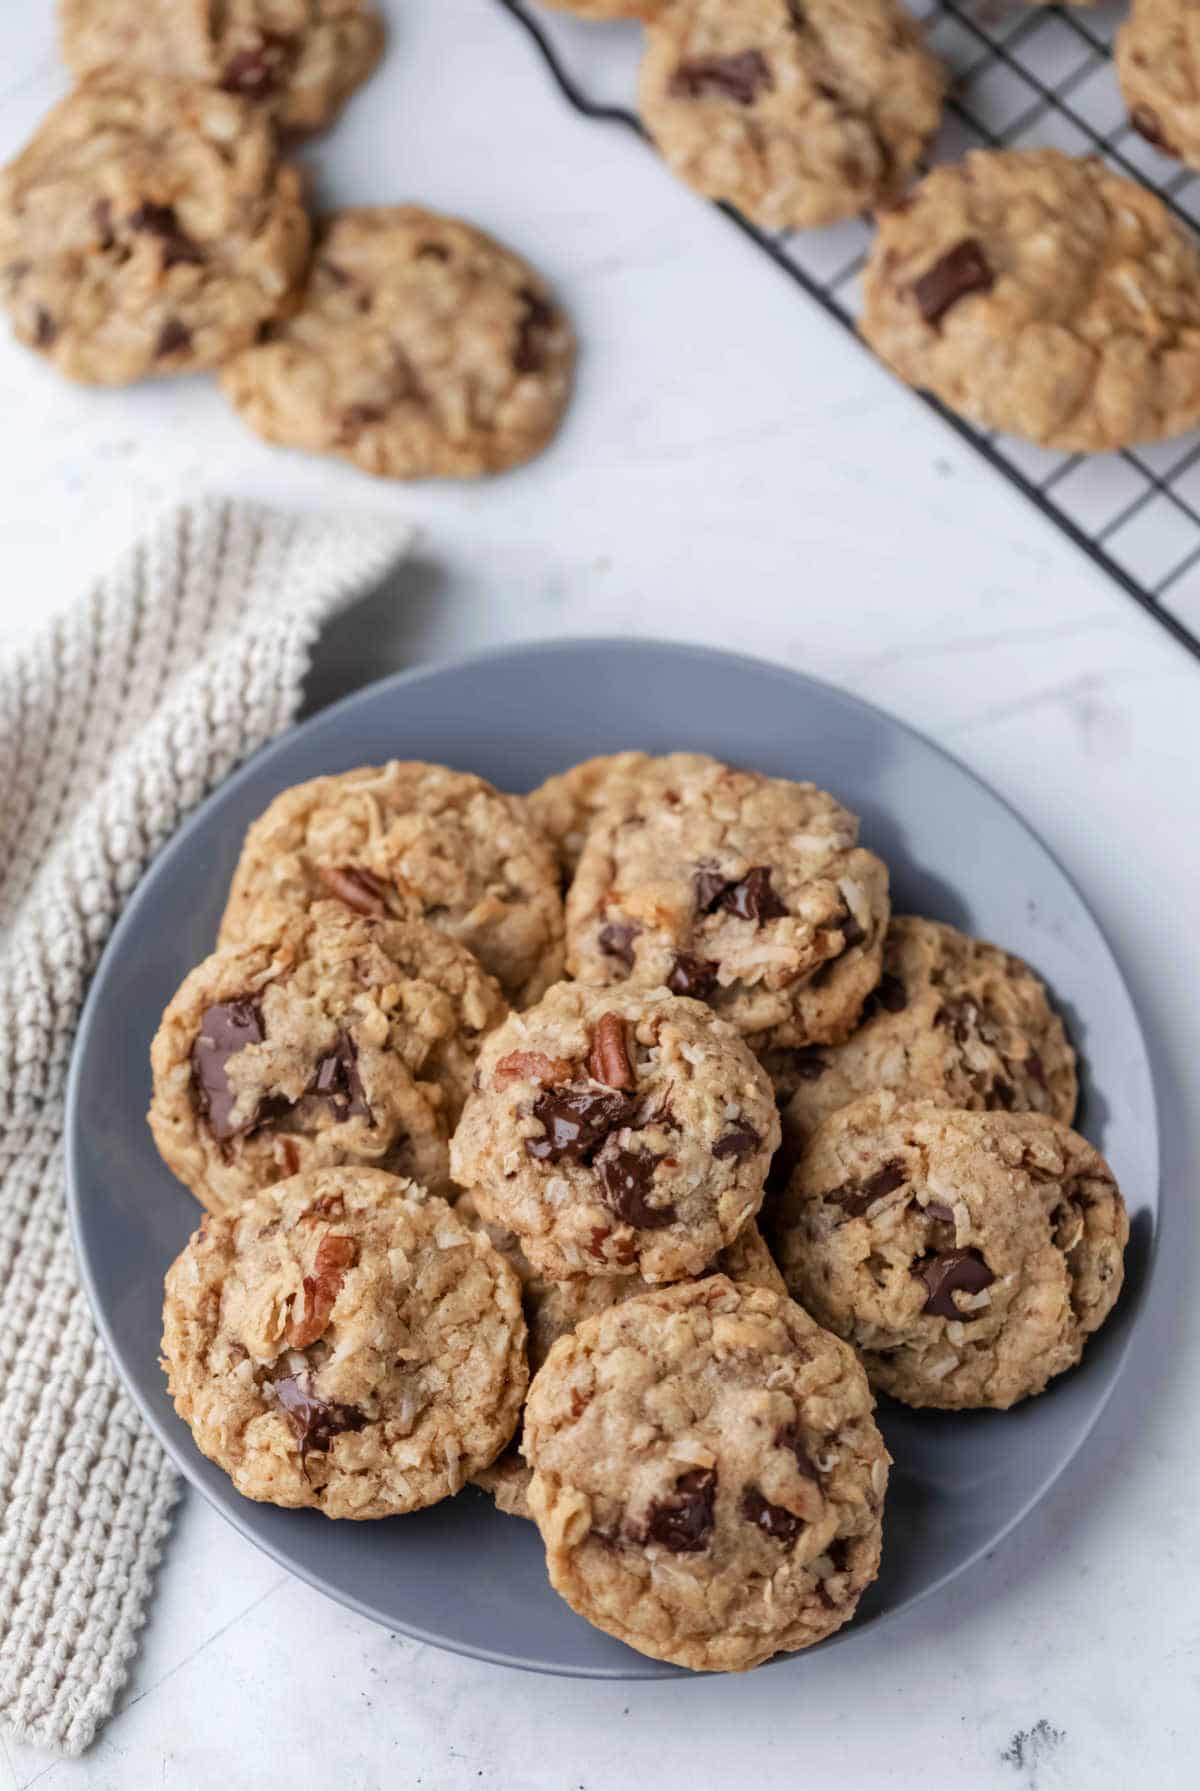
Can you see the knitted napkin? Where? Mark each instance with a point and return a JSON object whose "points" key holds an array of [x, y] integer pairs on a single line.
{"points": [[113, 725]]}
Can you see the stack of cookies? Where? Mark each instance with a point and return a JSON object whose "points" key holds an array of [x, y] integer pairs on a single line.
{"points": [[618, 1206], [152, 227], [1035, 293]]}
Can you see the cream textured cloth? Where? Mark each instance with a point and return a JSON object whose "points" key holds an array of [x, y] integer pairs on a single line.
{"points": [[112, 726]]}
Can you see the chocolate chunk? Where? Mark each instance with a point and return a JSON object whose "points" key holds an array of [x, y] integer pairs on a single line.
{"points": [[685, 1522], [808, 1064], [692, 976], [257, 73], [626, 1178], [937, 1209], [1002, 1095], [617, 941], [336, 1080], [854, 1201], [44, 327], [173, 338], [1036, 1068], [709, 886], [963, 270], [789, 1438], [739, 78], [161, 221], [608, 1059], [1147, 124], [225, 1029], [852, 933], [739, 1141], [753, 898], [537, 319], [890, 995], [776, 1520], [314, 1421], [947, 1272], [576, 1121]]}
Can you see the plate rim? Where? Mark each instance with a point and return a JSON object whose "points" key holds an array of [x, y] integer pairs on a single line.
{"points": [[231, 1509]]}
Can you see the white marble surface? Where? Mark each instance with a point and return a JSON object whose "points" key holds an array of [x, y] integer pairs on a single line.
{"points": [[733, 471]]}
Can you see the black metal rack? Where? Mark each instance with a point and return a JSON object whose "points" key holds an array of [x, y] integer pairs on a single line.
{"points": [[1022, 76]]}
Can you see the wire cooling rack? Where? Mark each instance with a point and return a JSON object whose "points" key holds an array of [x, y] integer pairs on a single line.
{"points": [[1023, 76]]}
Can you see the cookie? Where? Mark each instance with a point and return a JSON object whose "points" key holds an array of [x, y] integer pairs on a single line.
{"points": [[554, 1308], [300, 58], [1042, 295], [1157, 53], [798, 114], [341, 1340], [617, 1132], [954, 1020], [708, 1478], [409, 838], [565, 806], [966, 1256], [748, 892], [332, 1039], [147, 228], [420, 349]]}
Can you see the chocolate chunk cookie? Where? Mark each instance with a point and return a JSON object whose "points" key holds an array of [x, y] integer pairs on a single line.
{"points": [[744, 891], [708, 1479], [333, 1038], [299, 58], [565, 806], [799, 112], [409, 838], [966, 1256], [953, 1019], [147, 228], [1043, 295], [342, 1340], [617, 1132], [1158, 63], [554, 1308], [420, 349]]}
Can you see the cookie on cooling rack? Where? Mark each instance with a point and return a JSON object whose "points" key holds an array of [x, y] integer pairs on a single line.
{"points": [[1157, 53], [799, 115], [1040, 294]]}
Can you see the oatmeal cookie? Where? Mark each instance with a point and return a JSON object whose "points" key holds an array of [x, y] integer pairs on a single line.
{"points": [[799, 112], [1158, 63], [342, 1340], [1041, 294], [300, 58], [420, 349], [409, 838], [332, 1038], [745, 891], [708, 1478], [617, 1132], [147, 228], [966, 1256], [954, 1020]]}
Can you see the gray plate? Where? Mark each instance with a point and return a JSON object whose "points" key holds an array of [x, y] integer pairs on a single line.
{"points": [[461, 1575]]}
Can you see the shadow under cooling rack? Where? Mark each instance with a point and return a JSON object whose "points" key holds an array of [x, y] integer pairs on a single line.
{"points": [[1023, 77]]}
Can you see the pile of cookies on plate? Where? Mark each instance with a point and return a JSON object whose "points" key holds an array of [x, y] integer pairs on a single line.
{"points": [[619, 1205], [151, 226], [1036, 293]]}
